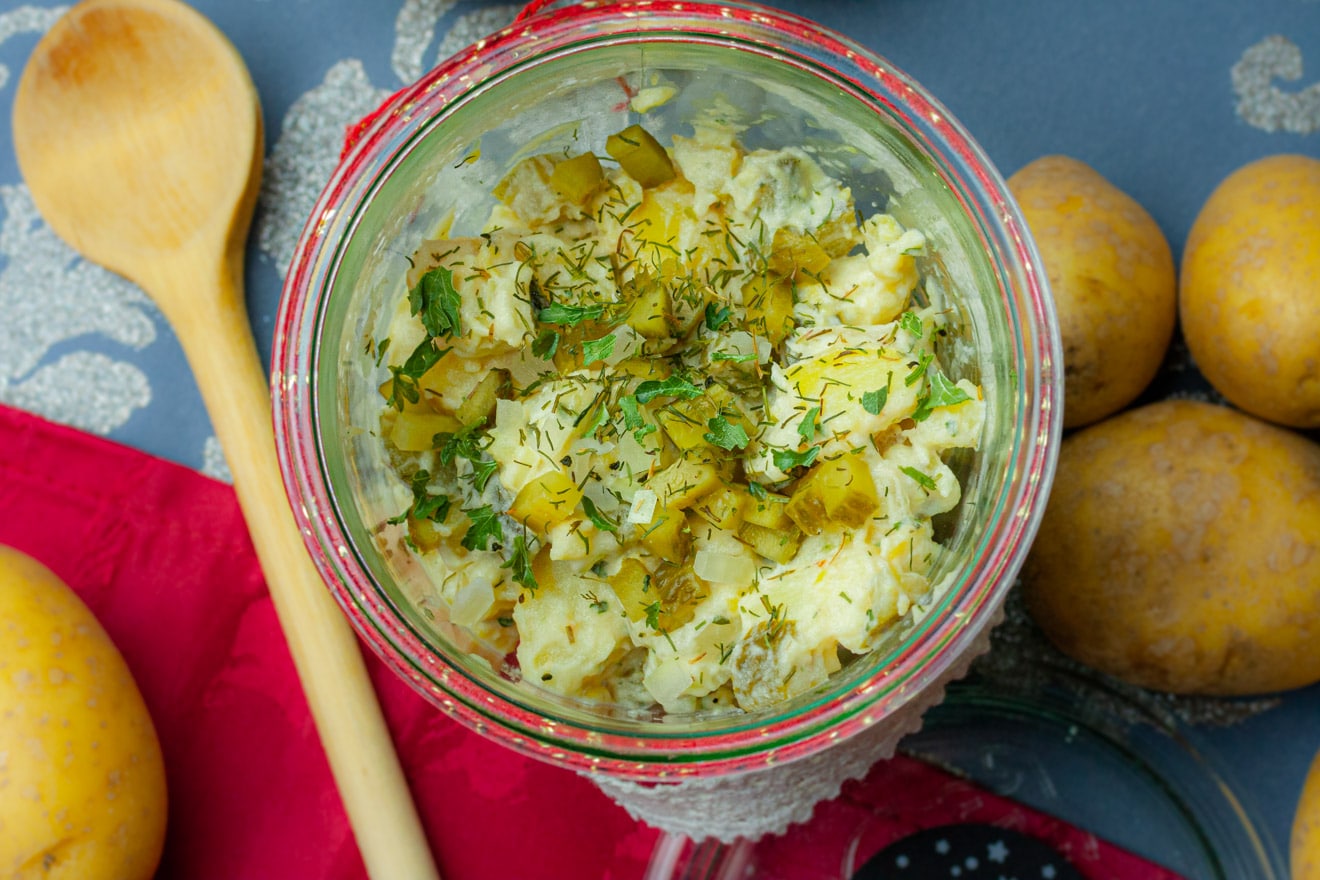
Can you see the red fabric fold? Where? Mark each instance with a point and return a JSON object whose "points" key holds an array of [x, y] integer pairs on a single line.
{"points": [[161, 555]]}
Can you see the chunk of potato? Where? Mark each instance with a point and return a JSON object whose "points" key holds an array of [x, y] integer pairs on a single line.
{"points": [[840, 491], [768, 302], [479, 406], [682, 483], [1178, 551], [414, 431]]}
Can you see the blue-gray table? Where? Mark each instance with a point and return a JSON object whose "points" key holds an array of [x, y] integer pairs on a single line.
{"points": [[1143, 90]]}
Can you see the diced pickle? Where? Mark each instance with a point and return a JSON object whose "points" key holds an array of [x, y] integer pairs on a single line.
{"points": [[770, 511], [546, 500], [768, 301], [641, 156], [577, 178], [632, 584], [687, 422], [835, 492], [777, 545], [425, 536], [723, 508], [414, 431], [480, 404], [793, 251], [667, 536], [650, 314], [679, 592], [682, 483]]}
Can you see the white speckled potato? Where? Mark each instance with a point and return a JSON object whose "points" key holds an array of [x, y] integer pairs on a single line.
{"points": [[82, 781], [1181, 551], [1111, 274]]}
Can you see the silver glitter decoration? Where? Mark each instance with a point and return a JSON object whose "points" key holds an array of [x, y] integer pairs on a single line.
{"points": [[304, 157], [1022, 658], [1263, 104], [26, 20], [214, 464], [49, 295], [85, 390], [472, 27], [414, 28]]}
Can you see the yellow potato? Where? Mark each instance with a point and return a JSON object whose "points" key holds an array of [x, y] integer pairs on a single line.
{"points": [[1181, 551], [1249, 296], [1306, 828], [82, 782], [1112, 277]]}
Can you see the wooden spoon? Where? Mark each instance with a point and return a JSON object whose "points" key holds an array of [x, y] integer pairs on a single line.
{"points": [[139, 132]]}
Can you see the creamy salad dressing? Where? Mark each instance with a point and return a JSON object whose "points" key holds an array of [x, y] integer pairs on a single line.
{"points": [[682, 441]]}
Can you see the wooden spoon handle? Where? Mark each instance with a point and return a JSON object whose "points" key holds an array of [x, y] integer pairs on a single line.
{"points": [[218, 344]]}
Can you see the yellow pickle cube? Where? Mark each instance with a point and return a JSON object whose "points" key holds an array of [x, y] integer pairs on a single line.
{"points": [[840, 491]]}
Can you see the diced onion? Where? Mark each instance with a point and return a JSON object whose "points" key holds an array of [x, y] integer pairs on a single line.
{"points": [[719, 566], [472, 603], [643, 507], [667, 681]]}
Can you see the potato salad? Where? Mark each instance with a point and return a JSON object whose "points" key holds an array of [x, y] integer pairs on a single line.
{"points": [[670, 429]]}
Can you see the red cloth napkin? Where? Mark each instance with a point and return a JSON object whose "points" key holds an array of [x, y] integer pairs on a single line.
{"points": [[162, 557]]}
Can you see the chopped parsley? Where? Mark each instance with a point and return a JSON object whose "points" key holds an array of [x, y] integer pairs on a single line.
{"points": [[674, 386], [425, 505], [717, 316], [546, 344], [923, 480], [911, 323], [807, 430], [520, 564], [485, 527], [597, 349], [437, 303], [559, 313], [787, 459], [941, 392], [874, 401], [599, 519], [725, 434]]}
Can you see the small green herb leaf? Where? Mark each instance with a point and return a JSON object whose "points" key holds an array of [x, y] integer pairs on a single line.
{"points": [[559, 313], [425, 505], [911, 323], [942, 392], [717, 316], [674, 386], [597, 349], [546, 344], [787, 459], [438, 303], [924, 480], [520, 564], [725, 434], [807, 429], [485, 528], [874, 401], [593, 514]]}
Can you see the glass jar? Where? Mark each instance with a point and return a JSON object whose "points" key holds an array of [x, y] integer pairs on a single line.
{"points": [[564, 76]]}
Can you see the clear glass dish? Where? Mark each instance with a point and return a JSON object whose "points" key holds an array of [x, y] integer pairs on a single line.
{"points": [[562, 77], [1066, 745]]}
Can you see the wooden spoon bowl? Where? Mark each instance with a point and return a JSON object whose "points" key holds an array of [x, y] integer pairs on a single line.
{"points": [[138, 130]]}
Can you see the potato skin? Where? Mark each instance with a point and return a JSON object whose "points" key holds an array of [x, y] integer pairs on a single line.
{"points": [[1249, 295], [82, 781], [1305, 856], [1180, 551], [1111, 273]]}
